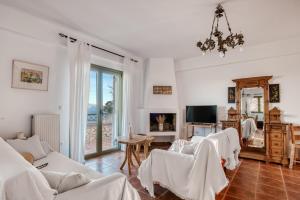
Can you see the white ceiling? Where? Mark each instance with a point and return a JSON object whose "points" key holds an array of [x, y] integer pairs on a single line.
{"points": [[167, 28]]}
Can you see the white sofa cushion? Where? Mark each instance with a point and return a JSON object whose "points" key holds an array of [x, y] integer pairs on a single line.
{"points": [[63, 182], [189, 148], [183, 146], [31, 145]]}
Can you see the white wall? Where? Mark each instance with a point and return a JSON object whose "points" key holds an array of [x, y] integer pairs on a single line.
{"points": [[160, 71], [28, 38], [17, 105], [204, 80]]}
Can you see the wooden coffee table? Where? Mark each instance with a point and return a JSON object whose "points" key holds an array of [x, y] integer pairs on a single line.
{"points": [[131, 143]]}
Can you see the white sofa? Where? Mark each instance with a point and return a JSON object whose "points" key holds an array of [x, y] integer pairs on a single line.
{"points": [[19, 180]]}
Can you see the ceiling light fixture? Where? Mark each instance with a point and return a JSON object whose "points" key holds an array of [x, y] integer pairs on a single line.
{"points": [[232, 40]]}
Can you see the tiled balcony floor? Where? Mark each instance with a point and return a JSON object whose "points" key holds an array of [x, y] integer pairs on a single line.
{"points": [[253, 180]]}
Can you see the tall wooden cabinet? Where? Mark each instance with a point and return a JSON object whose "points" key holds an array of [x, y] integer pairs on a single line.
{"points": [[233, 120], [277, 138]]}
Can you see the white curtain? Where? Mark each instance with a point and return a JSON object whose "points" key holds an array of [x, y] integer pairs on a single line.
{"points": [[79, 59], [128, 105]]}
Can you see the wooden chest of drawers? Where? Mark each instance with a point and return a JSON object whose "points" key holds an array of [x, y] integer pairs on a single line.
{"points": [[276, 144], [230, 123]]}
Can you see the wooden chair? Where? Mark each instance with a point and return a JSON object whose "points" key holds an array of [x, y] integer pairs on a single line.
{"points": [[295, 146]]}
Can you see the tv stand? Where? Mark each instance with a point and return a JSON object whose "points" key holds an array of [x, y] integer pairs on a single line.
{"points": [[212, 126]]}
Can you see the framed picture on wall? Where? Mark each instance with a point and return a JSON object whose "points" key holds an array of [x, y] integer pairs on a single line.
{"points": [[231, 94], [163, 90], [29, 76], [274, 92]]}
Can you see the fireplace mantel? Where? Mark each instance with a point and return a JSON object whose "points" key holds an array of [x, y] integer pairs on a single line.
{"points": [[162, 134]]}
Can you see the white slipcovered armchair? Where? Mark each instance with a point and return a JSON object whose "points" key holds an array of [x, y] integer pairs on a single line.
{"points": [[192, 169], [196, 176]]}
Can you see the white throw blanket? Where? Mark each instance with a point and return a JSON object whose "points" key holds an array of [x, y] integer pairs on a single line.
{"points": [[227, 146], [248, 128], [232, 160], [196, 177]]}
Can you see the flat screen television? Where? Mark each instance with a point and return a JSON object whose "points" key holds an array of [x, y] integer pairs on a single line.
{"points": [[201, 114]]}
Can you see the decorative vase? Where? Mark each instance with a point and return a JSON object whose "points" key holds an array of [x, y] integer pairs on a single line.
{"points": [[161, 127], [130, 133]]}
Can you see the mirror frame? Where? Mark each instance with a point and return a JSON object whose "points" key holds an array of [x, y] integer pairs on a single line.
{"points": [[262, 82]]}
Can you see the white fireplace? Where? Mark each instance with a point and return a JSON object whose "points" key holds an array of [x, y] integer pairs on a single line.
{"points": [[160, 72]]}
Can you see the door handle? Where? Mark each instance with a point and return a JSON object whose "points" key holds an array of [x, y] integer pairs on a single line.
{"points": [[101, 112]]}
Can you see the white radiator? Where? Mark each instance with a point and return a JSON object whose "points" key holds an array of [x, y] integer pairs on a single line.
{"points": [[47, 127]]}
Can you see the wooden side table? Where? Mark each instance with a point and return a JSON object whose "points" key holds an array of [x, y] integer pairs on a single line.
{"points": [[131, 143]]}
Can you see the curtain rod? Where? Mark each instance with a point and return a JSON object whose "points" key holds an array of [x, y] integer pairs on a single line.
{"points": [[74, 40]]}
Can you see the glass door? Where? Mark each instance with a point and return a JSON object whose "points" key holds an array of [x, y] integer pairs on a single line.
{"points": [[104, 111]]}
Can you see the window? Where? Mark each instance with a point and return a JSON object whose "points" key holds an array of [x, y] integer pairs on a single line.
{"points": [[257, 104]]}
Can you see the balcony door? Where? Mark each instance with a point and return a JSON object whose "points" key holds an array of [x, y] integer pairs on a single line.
{"points": [[104, 111]]}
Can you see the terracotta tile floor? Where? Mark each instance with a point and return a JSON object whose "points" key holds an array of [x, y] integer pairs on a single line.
{"points": [[253, 180]]}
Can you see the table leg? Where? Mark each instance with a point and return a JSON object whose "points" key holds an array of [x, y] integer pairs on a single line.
{"points": [[137, 158], [138, 149], [126, 157], [129, 159], [132, 150], [146, 150]]}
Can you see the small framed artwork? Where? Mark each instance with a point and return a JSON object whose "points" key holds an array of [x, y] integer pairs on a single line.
{"points": [[231, 94], [164, 90], [29, 76], [274, 92]]}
